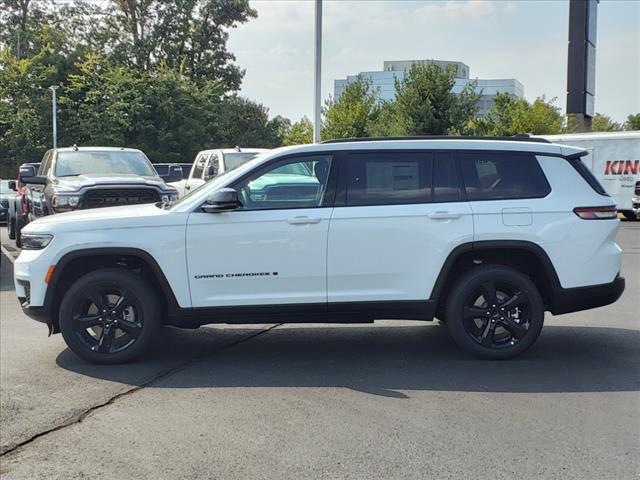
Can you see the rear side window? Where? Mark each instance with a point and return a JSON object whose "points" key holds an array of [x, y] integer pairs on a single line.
{"points": [[588, 175], [388, 178], [498, 176]]}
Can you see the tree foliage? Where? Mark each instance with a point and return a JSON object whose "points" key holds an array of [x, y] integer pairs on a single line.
{"points": [[513, 116], [351, 115], [604, 123], [300, 132], [633, 122]]}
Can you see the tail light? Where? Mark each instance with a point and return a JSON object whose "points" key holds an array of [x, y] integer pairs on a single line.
{"points": [[596, 213]]}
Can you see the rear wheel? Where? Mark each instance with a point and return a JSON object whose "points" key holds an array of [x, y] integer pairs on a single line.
{"points": [[494, 312], [109, 316]]}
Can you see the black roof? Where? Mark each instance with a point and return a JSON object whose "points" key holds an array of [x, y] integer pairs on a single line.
{"points": [[515, 138]]}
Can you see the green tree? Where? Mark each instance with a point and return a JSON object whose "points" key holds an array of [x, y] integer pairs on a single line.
{"points": [[513, 116], [426, 104], [25, 110], [301, 132], [604, 123], [240, 121], [189, 35], [351, 115], [633, 122]]}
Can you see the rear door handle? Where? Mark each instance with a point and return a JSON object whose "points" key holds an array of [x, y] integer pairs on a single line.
{"points": [[444, 215], [302, 220]]}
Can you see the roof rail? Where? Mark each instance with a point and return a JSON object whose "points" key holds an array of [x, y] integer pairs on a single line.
{"points": [[515, 138]]}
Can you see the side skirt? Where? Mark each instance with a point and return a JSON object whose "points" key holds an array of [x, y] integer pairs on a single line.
{"points": [[350, 312]]}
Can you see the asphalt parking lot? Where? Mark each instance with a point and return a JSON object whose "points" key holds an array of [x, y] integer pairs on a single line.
{"points": [[395, 399]]}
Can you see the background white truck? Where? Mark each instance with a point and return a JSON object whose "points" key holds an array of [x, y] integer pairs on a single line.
{"points": [[614, 158], [210, 163]]}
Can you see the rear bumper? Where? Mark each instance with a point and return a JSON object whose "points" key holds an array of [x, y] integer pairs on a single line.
{"points": [[583, 298]]}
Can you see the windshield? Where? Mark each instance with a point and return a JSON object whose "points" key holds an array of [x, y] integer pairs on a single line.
{"points": [[233, 160], [109, 162]]}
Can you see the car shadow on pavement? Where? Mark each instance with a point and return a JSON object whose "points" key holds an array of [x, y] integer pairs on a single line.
{"points": [[386, 360]]}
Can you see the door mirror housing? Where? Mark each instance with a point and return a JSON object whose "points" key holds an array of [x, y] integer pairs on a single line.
{"points": [[222, 200], [13, 185], [26, 172], [174, 174], [35, 180]]}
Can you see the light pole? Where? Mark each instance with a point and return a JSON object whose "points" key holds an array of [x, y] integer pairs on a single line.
{"points": [[53, 89], [316, 79]]}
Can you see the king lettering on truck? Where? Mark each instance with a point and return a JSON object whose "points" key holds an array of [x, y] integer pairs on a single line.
{"points": [[614, 159]]}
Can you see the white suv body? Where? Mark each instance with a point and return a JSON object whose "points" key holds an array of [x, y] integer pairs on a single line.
{"points": [[348, 231]]}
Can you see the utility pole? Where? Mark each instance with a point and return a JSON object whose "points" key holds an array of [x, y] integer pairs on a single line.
{"points": [[53, 89], [318, 71]]}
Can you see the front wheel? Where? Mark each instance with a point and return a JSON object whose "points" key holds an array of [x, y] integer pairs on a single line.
{"points": [[494, 312], [109, 316], [629, 215]]}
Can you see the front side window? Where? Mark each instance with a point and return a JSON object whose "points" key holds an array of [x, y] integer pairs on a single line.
{"points": [[212, 167], [200, 163], [45, 164], [499, 176], [296, 183], [380, 178], [69, 164]]}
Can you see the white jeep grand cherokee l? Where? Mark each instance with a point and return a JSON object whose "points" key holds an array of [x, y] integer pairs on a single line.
{"points": [[484, 234]]}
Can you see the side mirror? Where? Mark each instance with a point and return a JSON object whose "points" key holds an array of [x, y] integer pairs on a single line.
{"points": [[13, 185], [35, 180], [174, 174], [26, 171], [222, 200]]}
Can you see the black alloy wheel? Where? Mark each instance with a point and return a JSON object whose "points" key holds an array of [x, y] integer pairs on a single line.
{"points": [[109, 316], [494, 312], [108, 320]]}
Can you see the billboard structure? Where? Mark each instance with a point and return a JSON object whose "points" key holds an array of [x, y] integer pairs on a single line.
{"points": [[581, 74]]}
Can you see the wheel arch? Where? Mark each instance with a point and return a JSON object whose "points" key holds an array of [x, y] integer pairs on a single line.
{"points": [[524, 256], [80, 262]]}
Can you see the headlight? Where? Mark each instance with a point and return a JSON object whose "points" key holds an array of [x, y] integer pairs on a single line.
{"points": [[33, 241], [65, 202]]}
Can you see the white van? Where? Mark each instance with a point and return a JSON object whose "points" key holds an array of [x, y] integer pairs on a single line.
{"points": [[614, 158]]}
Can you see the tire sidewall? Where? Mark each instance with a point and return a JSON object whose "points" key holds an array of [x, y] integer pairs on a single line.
{"points": [[106, 278], [466, 286]]}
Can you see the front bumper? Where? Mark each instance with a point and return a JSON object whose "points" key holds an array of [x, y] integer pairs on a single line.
{"points": [[39, 314], [567, 300]]}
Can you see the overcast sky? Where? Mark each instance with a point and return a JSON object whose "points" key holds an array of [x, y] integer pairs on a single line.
{"points": [[525, 39]]}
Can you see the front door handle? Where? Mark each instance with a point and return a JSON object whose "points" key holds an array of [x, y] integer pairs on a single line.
{"points": [[444, 215], [302, 220]]}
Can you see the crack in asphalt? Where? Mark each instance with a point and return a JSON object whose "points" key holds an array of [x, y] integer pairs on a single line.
{"points": [[78, 418]]}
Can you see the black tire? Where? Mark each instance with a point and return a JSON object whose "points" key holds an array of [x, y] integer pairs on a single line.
{"points": [[494, 312], [11, 227], [109, 316], [629, 215]]}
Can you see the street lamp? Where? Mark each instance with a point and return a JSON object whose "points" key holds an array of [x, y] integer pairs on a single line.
{"points": [[53, 89], [318, 70]]}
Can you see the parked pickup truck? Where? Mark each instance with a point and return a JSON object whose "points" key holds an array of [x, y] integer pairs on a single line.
{"points": [[210, 163], [91, 177]]}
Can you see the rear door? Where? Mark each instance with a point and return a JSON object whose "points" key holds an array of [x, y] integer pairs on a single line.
{"points": [[398, 215]]}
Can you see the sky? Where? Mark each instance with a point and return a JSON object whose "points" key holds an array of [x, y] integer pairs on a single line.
{"points": [[522, 39]]}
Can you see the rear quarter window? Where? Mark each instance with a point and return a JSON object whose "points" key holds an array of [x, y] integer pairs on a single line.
{"points": [[500, 176]]}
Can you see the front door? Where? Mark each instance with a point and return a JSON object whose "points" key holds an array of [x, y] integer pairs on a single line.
{"points": [[270, 251]]}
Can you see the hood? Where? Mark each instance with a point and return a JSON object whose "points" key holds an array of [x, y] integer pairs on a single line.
{"points": [[124, 217], [77, 182]]}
